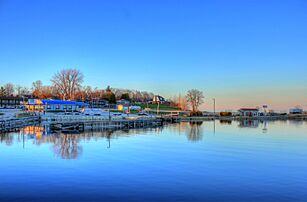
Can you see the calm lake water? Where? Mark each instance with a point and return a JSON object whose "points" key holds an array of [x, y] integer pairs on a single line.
{"points": [[215, 161]]}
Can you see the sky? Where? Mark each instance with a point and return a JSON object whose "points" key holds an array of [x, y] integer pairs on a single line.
{"points": [[243, 53]]}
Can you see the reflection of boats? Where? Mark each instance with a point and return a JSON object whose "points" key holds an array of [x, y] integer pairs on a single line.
{"points": [[67, 127]]}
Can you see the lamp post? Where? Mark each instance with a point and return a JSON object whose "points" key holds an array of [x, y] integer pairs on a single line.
{"points": [[158, 107], [109, 113], [214, 106]]}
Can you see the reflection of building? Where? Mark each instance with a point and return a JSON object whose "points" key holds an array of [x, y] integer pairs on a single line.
{"points": [[37, 131], [10, 102], [67, 146], [248, 123], [53, 105], [250, 112]]}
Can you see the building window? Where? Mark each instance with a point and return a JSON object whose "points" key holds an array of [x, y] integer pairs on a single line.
{"points": [[57, 107]]}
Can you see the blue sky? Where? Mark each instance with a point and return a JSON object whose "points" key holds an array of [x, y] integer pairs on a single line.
{"points": [[243, 53]]}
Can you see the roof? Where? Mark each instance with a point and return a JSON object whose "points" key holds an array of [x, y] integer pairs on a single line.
{"points": [[248, 109], [62, 102]]}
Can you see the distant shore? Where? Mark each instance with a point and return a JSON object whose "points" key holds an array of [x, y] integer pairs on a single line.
{"points": [[238, 118]]}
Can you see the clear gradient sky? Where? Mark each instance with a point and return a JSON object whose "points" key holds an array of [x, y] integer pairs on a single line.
{"points": [[243, 53]]}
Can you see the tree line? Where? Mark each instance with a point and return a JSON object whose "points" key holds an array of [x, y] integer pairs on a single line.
{"points": [[67, 85]]}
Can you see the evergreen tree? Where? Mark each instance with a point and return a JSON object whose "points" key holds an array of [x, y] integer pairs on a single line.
{"points": [[2, 91], [125, 96]]}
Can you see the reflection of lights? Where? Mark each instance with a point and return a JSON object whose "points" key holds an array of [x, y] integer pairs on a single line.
{"points": [[37, 131], [38, 135]]}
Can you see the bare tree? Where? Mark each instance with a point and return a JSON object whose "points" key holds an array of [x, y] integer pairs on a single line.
{"points": [[9, 89], [180, 102], [21, 91], [195, 98], [67, 82], [37, 88]]}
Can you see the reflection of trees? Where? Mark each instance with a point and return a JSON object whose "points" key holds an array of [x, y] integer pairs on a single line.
{"points": [[195, 132], [66, 146], [8, 139]]}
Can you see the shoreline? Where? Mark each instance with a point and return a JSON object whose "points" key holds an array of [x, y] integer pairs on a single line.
{"points": [[92, 122]]}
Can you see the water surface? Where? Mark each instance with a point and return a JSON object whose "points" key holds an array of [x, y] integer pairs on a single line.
{"points": [[222, 161]]}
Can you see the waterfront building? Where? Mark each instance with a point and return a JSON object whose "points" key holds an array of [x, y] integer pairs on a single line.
{"points": [[123, 102], [123, 105], [37, 105], [250, 112], [11, 101], [296, 110], [159, 99], [97, 103]]}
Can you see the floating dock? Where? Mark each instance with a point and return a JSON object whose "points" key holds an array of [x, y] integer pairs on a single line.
{"points": [[112, 124], [9, 125]]}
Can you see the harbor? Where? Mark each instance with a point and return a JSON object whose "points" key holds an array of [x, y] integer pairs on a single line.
{"points": [[67, 123]]}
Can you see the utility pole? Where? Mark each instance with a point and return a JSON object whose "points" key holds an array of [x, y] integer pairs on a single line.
{"points": [[214, 106], [214, 115], [109, 113]]}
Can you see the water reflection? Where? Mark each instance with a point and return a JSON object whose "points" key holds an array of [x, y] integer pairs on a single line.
{"points": [[195, 132], [249, 123], [265, 129], [6, 139], [69, 146], [225, 122]]}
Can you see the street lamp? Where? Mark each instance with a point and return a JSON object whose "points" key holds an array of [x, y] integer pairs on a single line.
{"points": [[109, 113], [214, 106]]}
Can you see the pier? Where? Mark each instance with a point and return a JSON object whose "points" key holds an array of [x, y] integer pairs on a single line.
{"points": [[9, 125], [113, 124]]}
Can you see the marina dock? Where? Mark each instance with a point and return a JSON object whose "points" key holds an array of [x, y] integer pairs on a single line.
{"points": [[9, 125], [113, 124]]}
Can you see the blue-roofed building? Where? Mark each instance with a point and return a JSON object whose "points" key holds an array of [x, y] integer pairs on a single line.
{"points": [[54, 105]]}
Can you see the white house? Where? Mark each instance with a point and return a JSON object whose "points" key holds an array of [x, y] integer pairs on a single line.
{"points": [[249, 112], [158, 99], [296, 110]]}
